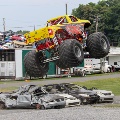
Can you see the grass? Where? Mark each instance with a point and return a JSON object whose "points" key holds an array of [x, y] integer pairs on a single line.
{"points": [[8, 89], [112, 84]]}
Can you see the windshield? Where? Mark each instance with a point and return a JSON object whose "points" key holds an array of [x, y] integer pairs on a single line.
{"points": [[73, 19], [73, 86]]}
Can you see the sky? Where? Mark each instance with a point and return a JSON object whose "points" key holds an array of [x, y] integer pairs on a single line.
{"points": [[25, 14]]}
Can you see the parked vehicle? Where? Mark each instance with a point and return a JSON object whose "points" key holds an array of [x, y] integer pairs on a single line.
{"points": [[16, 37], [9, 45], [92, 66], [70, 100], [65, 39], [114, 61], [2, 42], [85, 96], [105, 96], [31, 96]]}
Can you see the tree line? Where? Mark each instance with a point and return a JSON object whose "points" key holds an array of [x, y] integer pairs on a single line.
{"points": [[106, 13]]}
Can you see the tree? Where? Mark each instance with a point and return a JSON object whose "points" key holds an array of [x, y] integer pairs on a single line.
{"points": [[22, 32], [108, 13]]}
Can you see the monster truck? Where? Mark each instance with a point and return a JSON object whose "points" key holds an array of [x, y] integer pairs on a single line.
{"points": [[66, 39]]}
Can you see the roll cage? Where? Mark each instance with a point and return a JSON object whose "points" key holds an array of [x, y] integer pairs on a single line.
{"points": [[61, 20]]}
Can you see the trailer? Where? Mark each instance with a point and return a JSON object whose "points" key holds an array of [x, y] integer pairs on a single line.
{"points": [[115, 62], [114, 58], [92, 66]]}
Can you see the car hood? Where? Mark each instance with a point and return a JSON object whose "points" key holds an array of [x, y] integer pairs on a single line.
{"points": [[4, 96], [83, 91], [50, 97], [102, 91], [65, 95]]}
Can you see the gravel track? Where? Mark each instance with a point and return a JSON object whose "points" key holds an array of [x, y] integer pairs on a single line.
{"points": [[60, 80], [72, 113]]}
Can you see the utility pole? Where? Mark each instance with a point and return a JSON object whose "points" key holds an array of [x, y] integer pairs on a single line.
{"points": [[101, 59], [97, 23], [34, 27], [4, 28], [66, 8], [4, 24]]}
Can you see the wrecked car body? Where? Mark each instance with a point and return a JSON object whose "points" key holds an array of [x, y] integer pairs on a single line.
{"points": [[31, 96], [70, 100], [85, 96], [105, 95]]}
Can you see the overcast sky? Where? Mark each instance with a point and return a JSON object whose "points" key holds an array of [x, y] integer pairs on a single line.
{"points": [[27, 13]]}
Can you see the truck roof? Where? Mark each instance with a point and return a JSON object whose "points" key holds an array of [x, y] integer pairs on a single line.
{"points": [[70, 19]]}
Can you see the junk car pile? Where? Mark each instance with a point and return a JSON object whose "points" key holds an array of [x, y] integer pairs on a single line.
{"points": [[53, 96]]}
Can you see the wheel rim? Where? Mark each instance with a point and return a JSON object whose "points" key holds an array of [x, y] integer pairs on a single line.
{"points": [[77, 51], [103, 43]]}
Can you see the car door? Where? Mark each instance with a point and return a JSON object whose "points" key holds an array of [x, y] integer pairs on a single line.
{"points": [[24, 100]]}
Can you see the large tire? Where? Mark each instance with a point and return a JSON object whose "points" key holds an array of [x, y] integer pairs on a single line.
{"points": [[98, 45], [70, 54], [34, 66]]}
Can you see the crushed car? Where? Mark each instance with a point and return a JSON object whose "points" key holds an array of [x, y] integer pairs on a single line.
{"points": [[70, 100], [85, 96], [31, 96], [105, 95]]}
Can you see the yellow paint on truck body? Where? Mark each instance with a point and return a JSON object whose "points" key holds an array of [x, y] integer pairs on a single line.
{"points": [[44, 33]]}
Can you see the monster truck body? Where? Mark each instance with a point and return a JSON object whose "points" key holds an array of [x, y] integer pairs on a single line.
{"points": [[56, 31], [65, 38]]}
